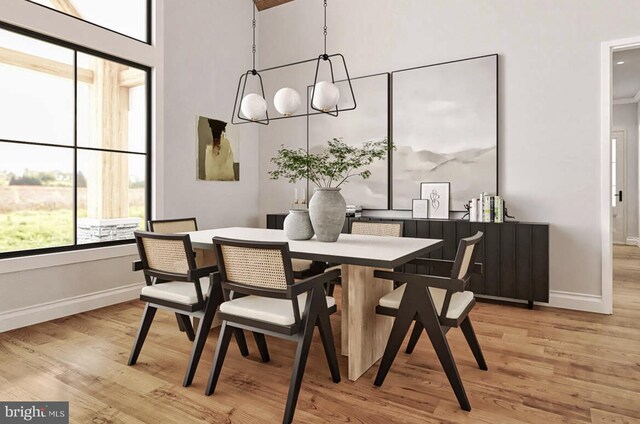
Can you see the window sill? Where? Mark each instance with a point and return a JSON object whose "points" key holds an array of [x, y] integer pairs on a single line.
{"points": [[50, 260]]}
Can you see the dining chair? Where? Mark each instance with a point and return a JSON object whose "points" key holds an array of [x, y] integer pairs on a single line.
{"points": [[172, 226], [174, 283], [261, 295], [367, 228], [436, 304]]}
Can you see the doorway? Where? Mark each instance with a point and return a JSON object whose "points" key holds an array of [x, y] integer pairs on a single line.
{"points": [[619, 186], [620, 153]]}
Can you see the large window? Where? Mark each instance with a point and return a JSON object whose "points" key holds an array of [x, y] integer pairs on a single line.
{"points": [[127, 17], [74, 146]]}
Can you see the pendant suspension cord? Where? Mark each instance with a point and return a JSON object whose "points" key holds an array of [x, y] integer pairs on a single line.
{"points": [[254, 37], [325, 27]]}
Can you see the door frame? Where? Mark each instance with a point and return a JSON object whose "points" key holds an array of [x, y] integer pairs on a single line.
{"points": [[623, 207], [606, 70]]}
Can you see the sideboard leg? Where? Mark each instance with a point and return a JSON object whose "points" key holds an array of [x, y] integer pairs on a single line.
{"points": [[530, 304]]}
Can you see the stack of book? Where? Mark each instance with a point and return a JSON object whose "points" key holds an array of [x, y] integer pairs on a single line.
{"points": [[487, 208]]}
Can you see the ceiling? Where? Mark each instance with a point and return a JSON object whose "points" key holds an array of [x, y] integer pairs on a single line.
{"points": [[266, 4], [626, 77]]}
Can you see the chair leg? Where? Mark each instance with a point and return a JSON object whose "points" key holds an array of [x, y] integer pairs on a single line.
{"points": [[184, 323], [242, 341], [145, 323], [302, 352], [431, 323], [415, 336], [218, 359], [330, 288], [204, 325], [324, 326], [396, 337], [470, 335], [261, 342]]}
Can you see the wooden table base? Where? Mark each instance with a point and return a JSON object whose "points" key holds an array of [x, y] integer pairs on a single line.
{"points": [[364, 333]]}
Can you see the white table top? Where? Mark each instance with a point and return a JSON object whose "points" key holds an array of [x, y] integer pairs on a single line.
{"points": [[374, 251]]}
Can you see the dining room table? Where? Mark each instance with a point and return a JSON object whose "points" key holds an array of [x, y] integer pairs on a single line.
{"points": [[364, 334]]}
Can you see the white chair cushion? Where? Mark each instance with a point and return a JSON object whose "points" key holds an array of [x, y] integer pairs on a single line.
{"points": [[177, 291], [332, 268], [300, 265], [275, 311], [459, 300]]}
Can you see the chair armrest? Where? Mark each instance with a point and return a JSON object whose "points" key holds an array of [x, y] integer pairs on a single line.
{"points": [[311, 282], [442, 265], [136, 266], [198, 273], [424, 280]]}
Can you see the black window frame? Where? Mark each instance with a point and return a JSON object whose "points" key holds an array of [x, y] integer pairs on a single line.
{"points": [[149, 22], [148, 154]]}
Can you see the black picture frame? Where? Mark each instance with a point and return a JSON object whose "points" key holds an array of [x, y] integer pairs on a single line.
{"points": [[393, 159]]}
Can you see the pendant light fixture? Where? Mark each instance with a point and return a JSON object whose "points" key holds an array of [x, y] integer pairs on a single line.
{"points": [[325, 95], [253, 106]]}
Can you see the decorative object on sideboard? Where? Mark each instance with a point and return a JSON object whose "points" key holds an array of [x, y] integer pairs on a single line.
{"points": [[420, 209], [299, 202], [218, 150], [488, 208], [354, 211], [328, 170], [324, 99], [297, 225], [437, 195], [445, 127]]}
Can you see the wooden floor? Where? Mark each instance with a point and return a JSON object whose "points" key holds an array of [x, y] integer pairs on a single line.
{"points": [[545, 366]]}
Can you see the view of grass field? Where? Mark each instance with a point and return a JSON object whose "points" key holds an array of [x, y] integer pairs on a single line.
{"points": [[33, 217]]}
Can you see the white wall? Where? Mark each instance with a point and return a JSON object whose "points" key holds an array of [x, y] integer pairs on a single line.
{"points": [[549, 102], [44, 287], [625, 117], [207, 47]]}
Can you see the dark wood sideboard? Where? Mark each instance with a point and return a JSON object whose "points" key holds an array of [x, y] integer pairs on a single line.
{"points": [[515, 255]]}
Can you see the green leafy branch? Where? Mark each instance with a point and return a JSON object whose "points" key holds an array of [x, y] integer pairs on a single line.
{"points": [[332, 167]]}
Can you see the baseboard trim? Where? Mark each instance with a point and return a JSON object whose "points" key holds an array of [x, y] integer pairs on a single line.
{"points": [[633, 241], [36, 314], [576, 301]]}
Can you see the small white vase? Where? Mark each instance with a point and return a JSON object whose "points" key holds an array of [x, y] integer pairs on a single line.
{"points": [[327, 210], [297, 225]]}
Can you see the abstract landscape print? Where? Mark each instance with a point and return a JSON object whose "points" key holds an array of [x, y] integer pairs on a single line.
{"points": [[367, 122], [218, 150], [445, 129]]}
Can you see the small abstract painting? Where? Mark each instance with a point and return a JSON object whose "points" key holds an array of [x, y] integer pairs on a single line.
{"points": [[437, 195], [445, 128], [218, 150]]}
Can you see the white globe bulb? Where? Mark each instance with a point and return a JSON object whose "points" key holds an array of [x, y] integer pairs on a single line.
{"points": [[287, 101], [325, 96], [254, 107]]}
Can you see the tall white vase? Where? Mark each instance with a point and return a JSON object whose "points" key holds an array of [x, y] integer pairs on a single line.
{"points": [[327, 210]]}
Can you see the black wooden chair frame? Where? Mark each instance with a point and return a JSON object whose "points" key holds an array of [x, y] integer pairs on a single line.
{"points": [[204, 310], [417, 305], [184, 324], [316, 313]]}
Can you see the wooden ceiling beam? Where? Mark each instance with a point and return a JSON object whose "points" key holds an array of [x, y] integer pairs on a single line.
{"points": [[66, 6], [44, 65], [267, 4]]}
